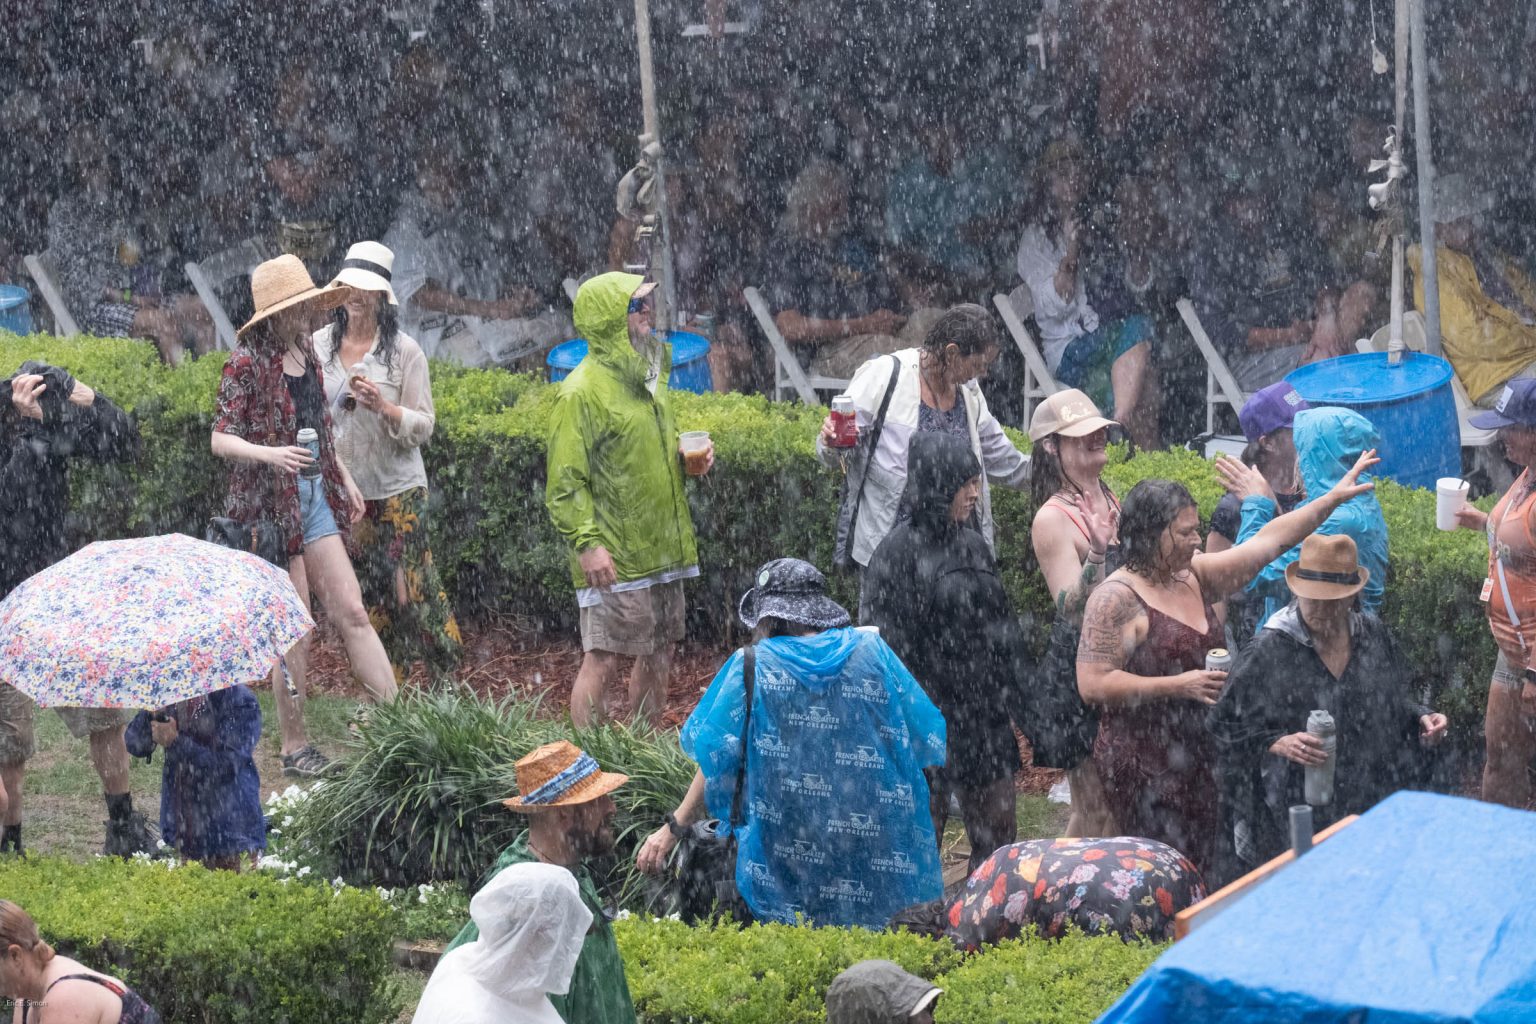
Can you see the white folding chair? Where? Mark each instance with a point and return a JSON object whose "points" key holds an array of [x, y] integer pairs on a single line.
{"points": [[1039, 382], [209, 275], [1221, 386], [40, 266], [788, 374]]}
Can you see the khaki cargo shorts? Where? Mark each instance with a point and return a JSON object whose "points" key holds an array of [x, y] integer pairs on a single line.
{"points": [[18, 715], [635, 622]]}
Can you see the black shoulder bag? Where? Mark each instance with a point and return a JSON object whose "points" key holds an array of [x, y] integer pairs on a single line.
{"points": [[858, 470], [706, 861]]}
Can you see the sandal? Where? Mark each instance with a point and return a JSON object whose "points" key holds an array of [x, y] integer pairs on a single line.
{"points": [[306, 763]]}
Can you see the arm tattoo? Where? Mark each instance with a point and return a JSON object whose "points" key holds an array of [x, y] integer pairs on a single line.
{"points": [[1071, 600], [1109, 611]]}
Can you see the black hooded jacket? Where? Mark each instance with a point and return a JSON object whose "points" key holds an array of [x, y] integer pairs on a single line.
{"points": [[34, 469], [933, 589], [1277, 681]]}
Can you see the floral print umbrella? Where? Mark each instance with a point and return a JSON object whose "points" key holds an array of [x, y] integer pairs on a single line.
{"points": [[147, 622]]}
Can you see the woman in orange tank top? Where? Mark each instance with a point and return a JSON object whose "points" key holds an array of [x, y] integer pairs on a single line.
{"points": [[1510, 594]]}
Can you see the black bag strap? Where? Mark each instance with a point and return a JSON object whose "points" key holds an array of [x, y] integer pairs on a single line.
{"points": [[875, 429], [749, 672]]}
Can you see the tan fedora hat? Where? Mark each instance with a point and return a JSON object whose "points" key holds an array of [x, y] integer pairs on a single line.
{"points": [[281, 283], [560, 774], [1329, 569]]}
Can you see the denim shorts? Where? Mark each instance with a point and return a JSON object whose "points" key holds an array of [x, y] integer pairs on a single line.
{"points": [[314, 510]]}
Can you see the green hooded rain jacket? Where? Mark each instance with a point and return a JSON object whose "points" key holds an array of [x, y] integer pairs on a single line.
{"points": [[614, 477]]}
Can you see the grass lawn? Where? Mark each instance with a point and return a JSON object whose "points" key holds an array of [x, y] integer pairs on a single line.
{"points": [[64, 812]]}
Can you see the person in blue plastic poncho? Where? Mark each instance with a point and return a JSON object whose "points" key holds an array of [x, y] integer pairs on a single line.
{"points": [[1328, 441], [835, 804]]}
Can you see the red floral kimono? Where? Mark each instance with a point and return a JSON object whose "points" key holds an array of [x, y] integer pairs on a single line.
{"points": [[254, 405]]}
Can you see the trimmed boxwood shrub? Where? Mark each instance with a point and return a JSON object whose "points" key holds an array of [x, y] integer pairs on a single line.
{"points": [[767, 497], [778, 974], [214, 946]]}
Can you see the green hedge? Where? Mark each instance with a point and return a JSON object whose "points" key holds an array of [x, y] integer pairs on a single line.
{"points": [[777, 974], [767, 497], [215, 947]]}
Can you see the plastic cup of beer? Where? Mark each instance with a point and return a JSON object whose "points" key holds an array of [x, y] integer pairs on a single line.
{"points": [[695, 449], [1450, 496]]}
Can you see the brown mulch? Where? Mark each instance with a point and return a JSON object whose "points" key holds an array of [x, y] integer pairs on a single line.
{"points": [[508, 657]]}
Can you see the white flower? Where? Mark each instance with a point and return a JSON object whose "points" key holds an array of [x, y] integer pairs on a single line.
{"points": [[303, 870], [384, 894], [287, 821], [337, 883], [622, 915]]}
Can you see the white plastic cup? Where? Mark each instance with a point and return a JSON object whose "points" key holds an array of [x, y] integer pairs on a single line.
{"points": [[1450, 496]]}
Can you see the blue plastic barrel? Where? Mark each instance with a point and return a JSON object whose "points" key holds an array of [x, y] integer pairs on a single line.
{"points": [[690, 361], [1411, 406], [15, 309]]}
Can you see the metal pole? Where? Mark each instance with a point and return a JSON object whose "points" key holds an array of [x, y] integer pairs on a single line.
{"points": [[1301, 829], [1400, 95], [1425, 153], [661, 240]]}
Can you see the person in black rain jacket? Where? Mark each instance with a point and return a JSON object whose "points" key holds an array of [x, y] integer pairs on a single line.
{"points": [[47, 420], [1320, 652], [935, 594]]}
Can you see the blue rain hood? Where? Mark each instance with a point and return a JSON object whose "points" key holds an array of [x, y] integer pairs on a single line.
{"points": [[836, 804], [1328, 442]]}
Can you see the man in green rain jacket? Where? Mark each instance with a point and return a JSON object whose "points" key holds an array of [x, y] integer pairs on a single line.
{"points": [[615, 492]]}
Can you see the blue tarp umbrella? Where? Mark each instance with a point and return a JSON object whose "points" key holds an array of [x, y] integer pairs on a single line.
{"points": [[1421, 912]]}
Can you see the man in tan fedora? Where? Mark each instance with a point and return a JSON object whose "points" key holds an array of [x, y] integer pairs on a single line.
{"points": [[1322, 652], [570, 810]]}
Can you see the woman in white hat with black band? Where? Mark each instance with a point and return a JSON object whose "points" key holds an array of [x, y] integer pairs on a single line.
{"points": [[380, 394]]}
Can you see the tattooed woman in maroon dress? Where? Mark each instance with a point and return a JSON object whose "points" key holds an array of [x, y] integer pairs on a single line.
{"points": [[1146, 631]]}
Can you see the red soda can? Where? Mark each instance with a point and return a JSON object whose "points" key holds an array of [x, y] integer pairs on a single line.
{"points": [[845, 424]]}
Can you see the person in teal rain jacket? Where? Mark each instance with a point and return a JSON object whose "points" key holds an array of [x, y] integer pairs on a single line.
{"points": [[1328, 441]]}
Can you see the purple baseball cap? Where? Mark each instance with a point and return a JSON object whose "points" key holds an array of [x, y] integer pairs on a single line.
{"points": [[1516, 407], [1270, 409]]}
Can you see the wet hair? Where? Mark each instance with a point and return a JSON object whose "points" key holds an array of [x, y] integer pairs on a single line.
{"points": [[18, 929], [968, 327], [389, 330], [1147, 512], [1046, 476], [770, 626]]}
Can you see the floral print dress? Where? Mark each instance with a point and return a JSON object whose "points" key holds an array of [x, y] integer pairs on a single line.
{"points": [[254, 405], [1119, 886]]}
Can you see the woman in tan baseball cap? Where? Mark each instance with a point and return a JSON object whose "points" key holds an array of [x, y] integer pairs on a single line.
{"points": [[273, 428], [1076, 541]]}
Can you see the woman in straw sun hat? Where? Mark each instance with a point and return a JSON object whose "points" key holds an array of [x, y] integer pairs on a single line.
{"points": [[270, 391], [380, 396], [1322, 651]]}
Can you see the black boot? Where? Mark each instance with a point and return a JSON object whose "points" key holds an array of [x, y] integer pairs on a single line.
{"points": [[128, 832], [10, 840]]}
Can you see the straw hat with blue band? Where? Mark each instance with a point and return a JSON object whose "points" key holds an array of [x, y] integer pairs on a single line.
{"points": [[560, 774]]}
